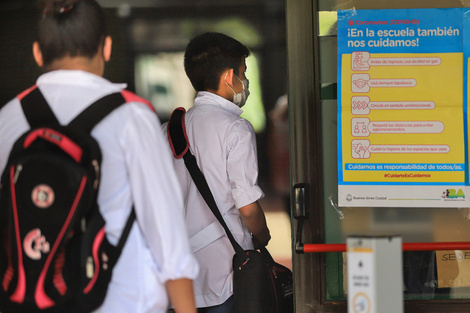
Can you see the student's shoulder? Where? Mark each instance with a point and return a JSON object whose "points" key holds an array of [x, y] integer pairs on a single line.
{"points": [[129, 96]]}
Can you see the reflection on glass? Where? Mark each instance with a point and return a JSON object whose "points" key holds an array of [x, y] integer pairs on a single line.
{"points": [[253, 110], [327, 23], [161, 79], [160, 76]]}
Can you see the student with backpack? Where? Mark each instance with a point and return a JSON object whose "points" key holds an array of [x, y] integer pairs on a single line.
{"points": [[134, 176]]}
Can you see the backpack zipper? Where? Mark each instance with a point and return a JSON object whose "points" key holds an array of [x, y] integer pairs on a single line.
{"points": [[19, 168], [96, 167]]}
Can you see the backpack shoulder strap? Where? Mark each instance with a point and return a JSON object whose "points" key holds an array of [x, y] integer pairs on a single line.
{"points": [[124, 235], [38, 112], [96, 111], [176, 132], [36, 109], [88, 119]]}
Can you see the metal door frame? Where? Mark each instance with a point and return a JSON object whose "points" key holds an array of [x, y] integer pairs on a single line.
{"points": [[306, 164]]}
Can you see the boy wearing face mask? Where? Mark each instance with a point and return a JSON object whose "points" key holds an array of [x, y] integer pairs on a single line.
{"points": [[224, 145]]}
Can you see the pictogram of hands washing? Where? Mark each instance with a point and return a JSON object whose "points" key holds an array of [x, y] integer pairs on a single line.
{"points": [[360, 149]]}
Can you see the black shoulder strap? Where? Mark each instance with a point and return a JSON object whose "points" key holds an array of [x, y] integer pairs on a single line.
{"points": [[88, 119], [96, 111], [39, 113], [180, 146], [179, 142], [124, 235], [37, 110]]}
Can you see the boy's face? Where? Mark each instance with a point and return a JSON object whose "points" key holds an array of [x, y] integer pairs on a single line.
{"points": [[237, 83], [242, 70]]}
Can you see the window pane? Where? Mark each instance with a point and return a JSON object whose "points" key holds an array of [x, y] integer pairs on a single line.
{"points": [[427, 274]]}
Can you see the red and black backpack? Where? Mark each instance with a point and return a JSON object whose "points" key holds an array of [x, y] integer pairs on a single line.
{"points": [[54, 254]]}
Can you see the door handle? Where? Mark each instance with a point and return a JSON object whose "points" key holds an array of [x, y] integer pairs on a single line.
{"points": [[300, 212]]}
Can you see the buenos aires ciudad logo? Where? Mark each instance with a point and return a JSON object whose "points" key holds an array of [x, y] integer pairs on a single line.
{"points": [[453, 194]]}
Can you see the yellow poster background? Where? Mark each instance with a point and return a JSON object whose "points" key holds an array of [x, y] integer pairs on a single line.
{"points": [[442, 84]]}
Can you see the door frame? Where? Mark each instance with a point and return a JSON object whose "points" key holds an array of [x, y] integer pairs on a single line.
{"points": [[304, 96]]}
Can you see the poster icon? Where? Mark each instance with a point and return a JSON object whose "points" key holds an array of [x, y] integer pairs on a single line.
{"points": [[360, 149], [360, 105], [360, 127], [360, 82], [360, 61]]}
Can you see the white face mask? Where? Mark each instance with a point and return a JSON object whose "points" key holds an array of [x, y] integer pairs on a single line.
{"points": [[240, 97]]}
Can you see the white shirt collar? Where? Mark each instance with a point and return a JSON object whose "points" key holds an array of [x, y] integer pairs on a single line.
{"points": [[76, 78], [206, 97]]}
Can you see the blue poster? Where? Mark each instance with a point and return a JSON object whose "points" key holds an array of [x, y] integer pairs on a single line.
{"points": [[402, 108]]}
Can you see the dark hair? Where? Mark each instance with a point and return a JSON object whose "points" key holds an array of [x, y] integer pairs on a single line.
{"points": [[70, 28], [208, 55]]}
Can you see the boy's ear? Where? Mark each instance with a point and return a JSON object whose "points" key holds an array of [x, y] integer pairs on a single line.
{"points": [[228, 77], [37, 54], [225, 83], [107, 48]]}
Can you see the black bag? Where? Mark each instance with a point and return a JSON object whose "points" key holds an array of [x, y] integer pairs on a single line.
{"points": [[282, 284], [54, 254], [260, 285]]}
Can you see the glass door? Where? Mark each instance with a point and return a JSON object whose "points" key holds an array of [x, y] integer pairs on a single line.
{"points": [[433, 281]]}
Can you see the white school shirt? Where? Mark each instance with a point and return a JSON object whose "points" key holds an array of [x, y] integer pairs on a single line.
{"points": [[224, 145], [136, 170]]}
